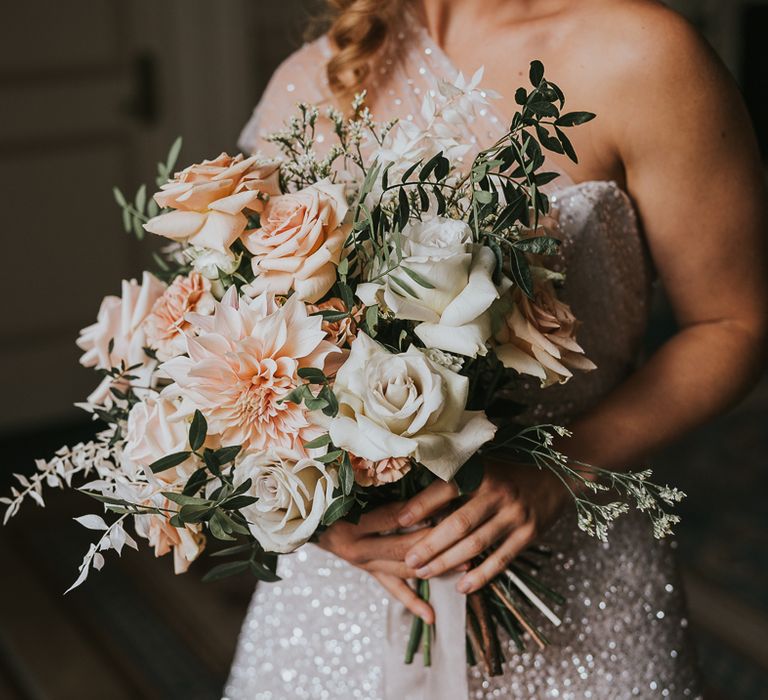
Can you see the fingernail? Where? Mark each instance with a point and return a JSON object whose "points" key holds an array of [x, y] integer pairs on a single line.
{"points": [[412, 560], [464, 585], [405, 518], [423, 572]]}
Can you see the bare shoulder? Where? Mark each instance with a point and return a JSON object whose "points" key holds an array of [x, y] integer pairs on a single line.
{"points": [[643, 43]]}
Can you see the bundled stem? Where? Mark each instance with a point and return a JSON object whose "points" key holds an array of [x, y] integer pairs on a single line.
{"points": [[490, 649]]}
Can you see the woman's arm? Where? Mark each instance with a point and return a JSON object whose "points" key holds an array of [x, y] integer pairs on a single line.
{"points": [[682, 133]]}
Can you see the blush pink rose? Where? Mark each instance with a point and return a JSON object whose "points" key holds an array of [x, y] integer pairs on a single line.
{"points": [[186, 543], [119, 335], [209, 199], [385, 471], [538, 337], [299, 242], [167, 323]]}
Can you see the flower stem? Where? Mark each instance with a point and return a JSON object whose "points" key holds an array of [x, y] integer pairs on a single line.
{"points": [[426, 632]]}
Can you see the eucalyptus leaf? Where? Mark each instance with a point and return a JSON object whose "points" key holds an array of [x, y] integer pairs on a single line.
{"points": [[198, 430], [169, 461]]}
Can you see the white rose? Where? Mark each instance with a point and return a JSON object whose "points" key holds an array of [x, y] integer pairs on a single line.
{"points": [[210, 263], [293, 493], [405, 406], [154, 430], [454, 314]]}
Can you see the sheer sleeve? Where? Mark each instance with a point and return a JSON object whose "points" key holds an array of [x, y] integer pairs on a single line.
{"points": [[300, 78]]}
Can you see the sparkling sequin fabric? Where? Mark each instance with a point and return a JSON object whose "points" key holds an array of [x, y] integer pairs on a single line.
{"points": [[320, 632]]}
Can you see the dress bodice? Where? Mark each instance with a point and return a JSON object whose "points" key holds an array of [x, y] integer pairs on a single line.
{"points": [[606, 267]]}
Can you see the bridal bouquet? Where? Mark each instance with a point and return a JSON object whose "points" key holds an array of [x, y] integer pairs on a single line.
{"points": [[328, 332]]}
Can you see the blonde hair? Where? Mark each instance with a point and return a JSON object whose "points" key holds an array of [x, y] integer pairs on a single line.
{"points": [[359, 31]]}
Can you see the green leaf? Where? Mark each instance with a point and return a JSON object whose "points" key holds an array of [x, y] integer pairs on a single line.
{"points": [[410, 171], [297, 395], [184, 500], [521, 273], [343, 267], [331, 315], [482, 196], [338, 509], [521, 96], [372, 319], [429, 166], [312, 374], [218, 527], [169, 461], [238, 502], [329, 456], [549, 142], [318, 442], [416, 277], [119, 197], [404, 286], [141, 198], [198, 478], [315, 403], [346, 475], [536, 73], [224, 455], [575, 118], [332, 408], [231, 568], [443, 167], [198, 430], [499, 255], [543, 108], [263, 572], [469, 477], [570, 151], [195, 513], [229, 551], [173, 155], [538, 245]]}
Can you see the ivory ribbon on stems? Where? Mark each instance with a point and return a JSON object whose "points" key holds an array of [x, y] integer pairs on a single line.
{"points": [[446, 678]]}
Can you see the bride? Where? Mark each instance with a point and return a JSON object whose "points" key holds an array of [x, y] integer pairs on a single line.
{"points": [[668, 186]]}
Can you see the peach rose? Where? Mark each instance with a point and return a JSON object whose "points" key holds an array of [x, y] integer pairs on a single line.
{"points": [[299, 242], [385, 471], [186, 543], [209, 199], [538, 337], [341, 332], [167, 323]]}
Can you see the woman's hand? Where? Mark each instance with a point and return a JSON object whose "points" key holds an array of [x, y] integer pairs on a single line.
{"points": [[380, 555], [513, 505]]}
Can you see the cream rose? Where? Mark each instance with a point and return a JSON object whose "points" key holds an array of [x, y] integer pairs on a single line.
{"points": [[405, 406], [538, 336], [454, 312], [299, 242], [155, 430], [293, 493], [209, 199], [166, 325]]}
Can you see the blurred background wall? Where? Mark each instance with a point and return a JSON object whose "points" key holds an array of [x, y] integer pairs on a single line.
{"points": [[92, 93]]}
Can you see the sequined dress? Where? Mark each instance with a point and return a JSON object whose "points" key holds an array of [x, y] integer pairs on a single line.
{"points": [[319, 633]]}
